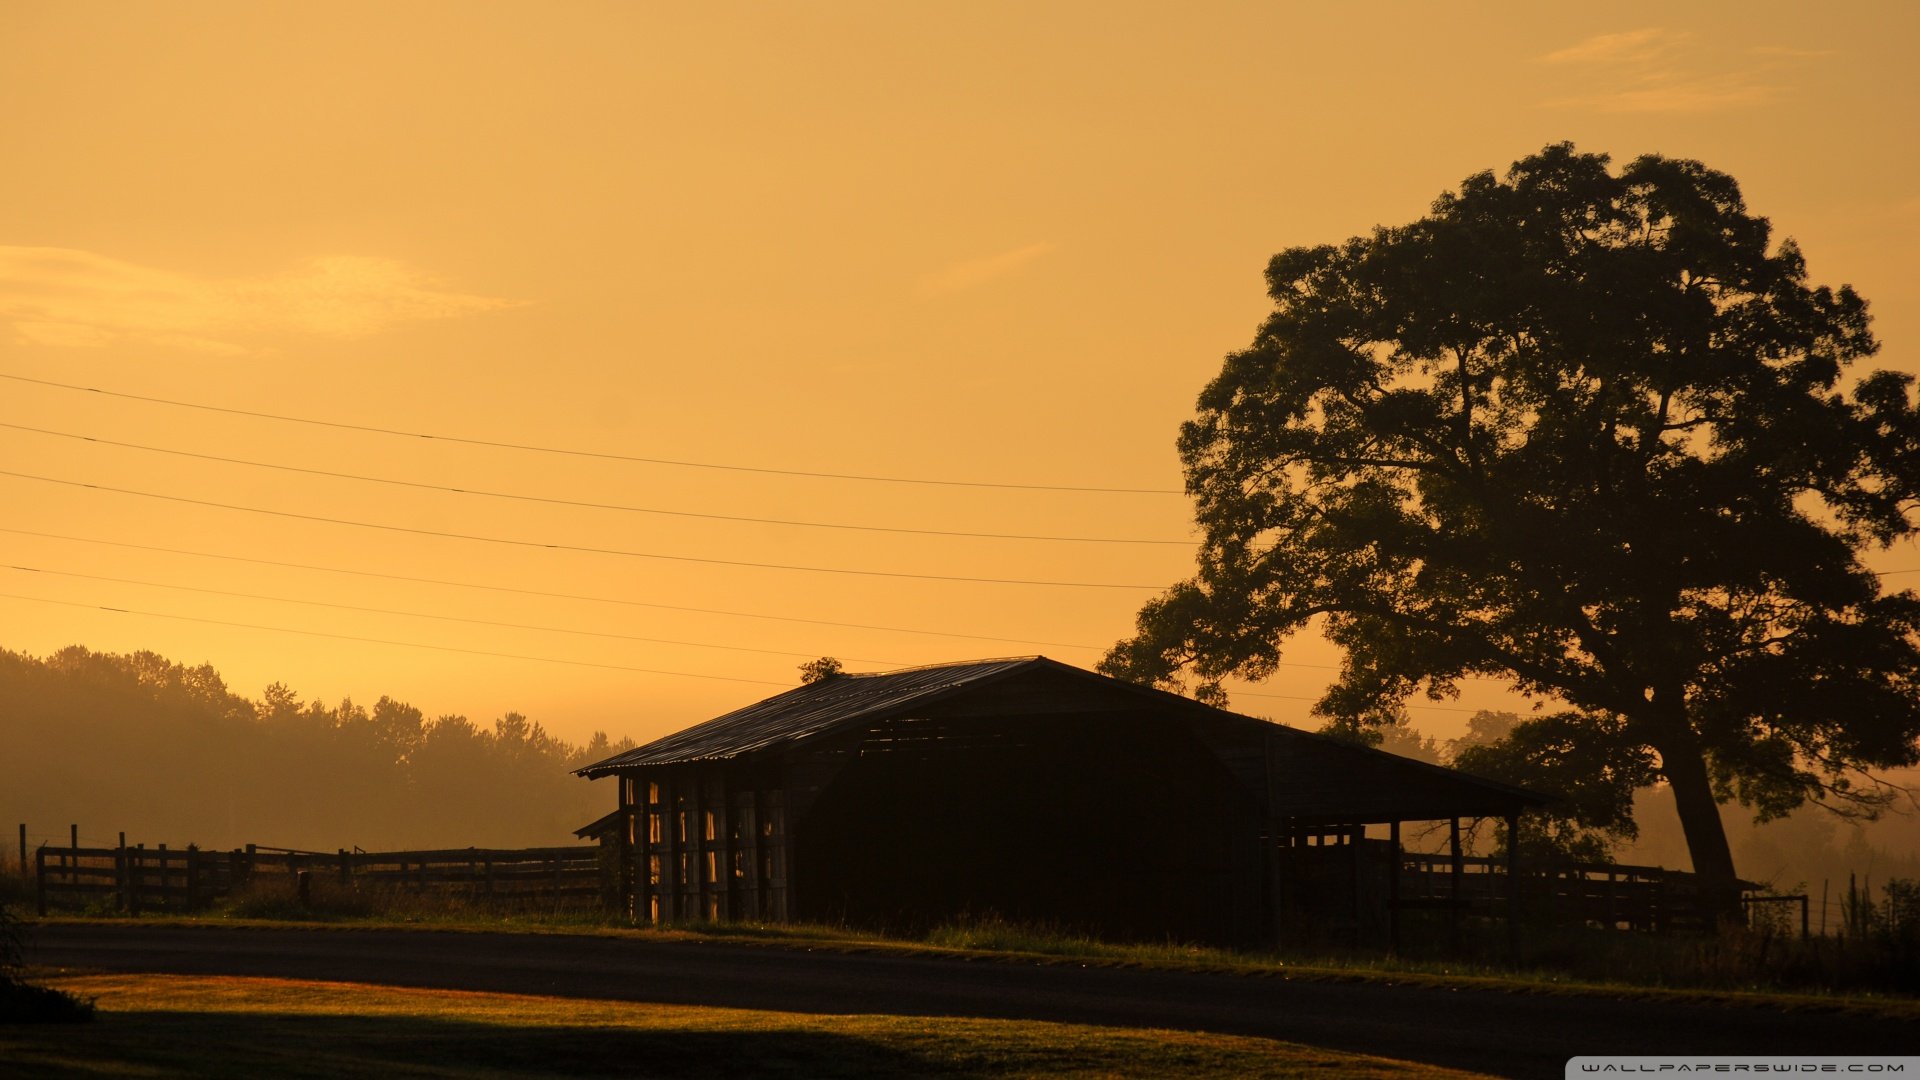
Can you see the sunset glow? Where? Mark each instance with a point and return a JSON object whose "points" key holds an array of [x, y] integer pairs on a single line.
{"points": [[604, 362]]}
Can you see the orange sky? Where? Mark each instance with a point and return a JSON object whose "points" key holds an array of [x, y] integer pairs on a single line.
{"points": [[997, 242]]}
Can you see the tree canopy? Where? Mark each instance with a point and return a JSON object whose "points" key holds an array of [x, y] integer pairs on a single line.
{"points": [[1589, 431]]}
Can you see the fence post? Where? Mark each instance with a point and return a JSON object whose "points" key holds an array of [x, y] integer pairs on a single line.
{"points": [[346, 873], [193, 874], [137, 867], [73, 837], [23, 849], [120, 872], [40, 878]]}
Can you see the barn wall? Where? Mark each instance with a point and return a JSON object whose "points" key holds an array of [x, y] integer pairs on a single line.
{"points": [[1120, 824]]}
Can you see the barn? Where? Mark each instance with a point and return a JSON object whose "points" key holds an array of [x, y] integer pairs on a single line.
{"points": [[1026, 789]]}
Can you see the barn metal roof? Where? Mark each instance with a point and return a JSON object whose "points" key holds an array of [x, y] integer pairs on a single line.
{"points": [[809, 710], [1319, 771]]}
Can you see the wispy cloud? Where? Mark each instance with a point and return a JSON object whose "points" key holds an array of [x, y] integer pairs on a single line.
{"points": [[1788, 52], [1655, 70], [1702, 95], [1629, 47], [971, 272], [67, 297]]}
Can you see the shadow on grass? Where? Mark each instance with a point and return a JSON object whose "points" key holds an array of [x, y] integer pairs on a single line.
{"points": [[291, 1045]]}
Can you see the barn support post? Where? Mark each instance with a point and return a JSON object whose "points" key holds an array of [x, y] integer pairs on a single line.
{"points": [[669, 886], [750, 836], [1513, 886], [623, 855], [651, 791], [694, 900], [783, 905], [1278, 834], [1352, 836], [1456, 877], [642, 848], [1393, 888], [719, 848], [746, 905], [1279, 838]]}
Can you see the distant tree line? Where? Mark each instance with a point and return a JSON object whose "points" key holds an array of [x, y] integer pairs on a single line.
{"points": [[168, 753]]}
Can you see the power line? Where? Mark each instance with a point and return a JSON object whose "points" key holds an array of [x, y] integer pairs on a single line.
{"points": [[548, 595], [576, 547], [589, 453], [555, 596], [383, 641], [583, 503], [429, 615]]}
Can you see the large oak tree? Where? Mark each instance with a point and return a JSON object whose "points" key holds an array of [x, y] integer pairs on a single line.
{"points": [[1588, 431]]}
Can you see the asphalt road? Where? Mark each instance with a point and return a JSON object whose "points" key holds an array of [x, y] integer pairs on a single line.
{"points": [[1508, 1034]]}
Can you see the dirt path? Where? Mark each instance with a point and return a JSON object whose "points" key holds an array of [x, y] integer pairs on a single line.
{"points": [[1518, 1035]]}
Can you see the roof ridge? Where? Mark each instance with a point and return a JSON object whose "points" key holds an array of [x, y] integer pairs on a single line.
{"points": [[937, 667]]}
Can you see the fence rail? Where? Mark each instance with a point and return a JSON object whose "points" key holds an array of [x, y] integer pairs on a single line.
{"points": [[1606, 895], [1357, 889], [140, 878]]}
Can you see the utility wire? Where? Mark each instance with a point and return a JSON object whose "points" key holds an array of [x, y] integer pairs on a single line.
{"points": [[383, 641], [577, 547], [556, 596], [586, 504], [589, 453], [540, 593], [428, 615]]}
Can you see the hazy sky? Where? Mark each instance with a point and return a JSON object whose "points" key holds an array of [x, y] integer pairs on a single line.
{"points": [[971, 242]]}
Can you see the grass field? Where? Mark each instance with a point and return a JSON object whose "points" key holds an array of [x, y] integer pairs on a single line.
{"points": [[167, 1026], [997, 940]]}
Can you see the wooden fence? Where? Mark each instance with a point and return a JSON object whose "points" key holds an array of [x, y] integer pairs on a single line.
{"points": [[139, 878], [1355, 891], [1604, 895]]}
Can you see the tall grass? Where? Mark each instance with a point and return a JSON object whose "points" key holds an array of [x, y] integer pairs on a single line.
{"points": [[22, 1002], [1881, 957], [1762, 959], [276, 897]]}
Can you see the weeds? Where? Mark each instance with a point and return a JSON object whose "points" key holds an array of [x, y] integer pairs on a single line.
{"points": [[22, 1002], [1883, 957]]}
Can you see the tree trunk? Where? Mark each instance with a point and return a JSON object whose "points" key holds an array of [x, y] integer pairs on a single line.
{"points": [[1686, 771]]}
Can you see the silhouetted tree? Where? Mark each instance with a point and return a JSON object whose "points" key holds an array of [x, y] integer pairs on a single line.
{"points": [[824, 668], [1589, 432]]}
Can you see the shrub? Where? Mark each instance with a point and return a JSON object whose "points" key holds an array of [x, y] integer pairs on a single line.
{"points": [[20, 1001]]}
